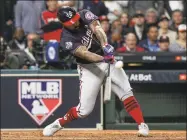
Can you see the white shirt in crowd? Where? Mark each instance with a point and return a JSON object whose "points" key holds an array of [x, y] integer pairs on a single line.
{"points": [[139, 31], [115, 5], [171, 34], [174, 5], [30, 54], [21, 46], [78, 3]]}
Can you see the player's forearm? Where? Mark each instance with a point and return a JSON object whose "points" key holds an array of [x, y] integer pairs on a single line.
{"points": [[101, 36], [99, 32], [81, 52], [92, 57]]}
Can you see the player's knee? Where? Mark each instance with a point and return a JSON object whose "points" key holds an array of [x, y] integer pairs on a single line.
{"points": [[84, 113], [128, 94]]}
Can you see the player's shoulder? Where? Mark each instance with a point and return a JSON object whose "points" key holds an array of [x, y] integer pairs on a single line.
{"points": [[85, 12], [67, 43], [66, 36], [87, 16]]}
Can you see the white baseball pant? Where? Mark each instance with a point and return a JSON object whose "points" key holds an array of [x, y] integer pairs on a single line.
{"points": [[91, 78]]}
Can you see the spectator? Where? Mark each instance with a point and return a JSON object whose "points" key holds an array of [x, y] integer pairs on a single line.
{"points": [[3, 49], [64, 3], [124, 17], [139, 28], [116, 24], [164, 29], [48, 16], [19, 58], [11, 62], [78, 5], [29, 49], [151, 43], [116, 39], [8, 9], [177, 19], [180, 44], [8, 30], [130, 45], [96, 6], [164, 43], [105, 25], [7, 18], [143, 6], [151, 16], [116, 34], [19, 41], [132, 21], [116, 8], [27, 15], [171, 5]]}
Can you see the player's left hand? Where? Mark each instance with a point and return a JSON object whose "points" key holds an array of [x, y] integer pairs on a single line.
{"points": [[108, 49]]}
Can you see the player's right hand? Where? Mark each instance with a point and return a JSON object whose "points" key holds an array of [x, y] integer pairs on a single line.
{"points": [[108, 59], [108, 49]]}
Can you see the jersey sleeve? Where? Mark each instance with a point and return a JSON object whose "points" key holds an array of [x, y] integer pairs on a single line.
{"points": [[88, 17], [69, 45]]}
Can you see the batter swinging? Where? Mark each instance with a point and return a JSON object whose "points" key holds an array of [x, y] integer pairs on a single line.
{"points": [[81, 34]]}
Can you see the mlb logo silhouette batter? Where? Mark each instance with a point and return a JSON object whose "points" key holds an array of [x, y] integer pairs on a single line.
{"points": [[39, 109]]}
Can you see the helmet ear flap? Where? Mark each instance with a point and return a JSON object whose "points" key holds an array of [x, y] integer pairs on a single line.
{"points": [[59, 16]]}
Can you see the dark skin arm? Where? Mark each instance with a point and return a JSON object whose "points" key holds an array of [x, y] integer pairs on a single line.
{"points": [[99, 32], [83, 53]]}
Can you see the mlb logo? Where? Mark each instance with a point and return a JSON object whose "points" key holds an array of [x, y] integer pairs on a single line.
{"points": [[40, 97]]}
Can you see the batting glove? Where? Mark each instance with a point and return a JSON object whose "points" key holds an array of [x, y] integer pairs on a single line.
{"points": [[108, 59], [108, 50]]}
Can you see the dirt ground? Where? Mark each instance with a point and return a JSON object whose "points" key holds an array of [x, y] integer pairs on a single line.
{"points": [[93, 135]]}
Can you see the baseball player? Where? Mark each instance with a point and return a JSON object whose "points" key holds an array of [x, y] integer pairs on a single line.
{"points": [[81, 34]]}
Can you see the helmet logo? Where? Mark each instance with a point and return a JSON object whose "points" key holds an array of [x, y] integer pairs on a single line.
{"points": [[89, 16], [69, 14], [68, 45]]}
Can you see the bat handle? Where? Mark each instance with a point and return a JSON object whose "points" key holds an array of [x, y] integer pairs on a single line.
{"points": [[108, 74]]}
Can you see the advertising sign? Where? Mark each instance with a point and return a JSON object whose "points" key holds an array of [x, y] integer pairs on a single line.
{"points": [[39, 97]]}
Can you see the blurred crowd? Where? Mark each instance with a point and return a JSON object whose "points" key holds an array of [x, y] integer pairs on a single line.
{"points": [[131, 26]]}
